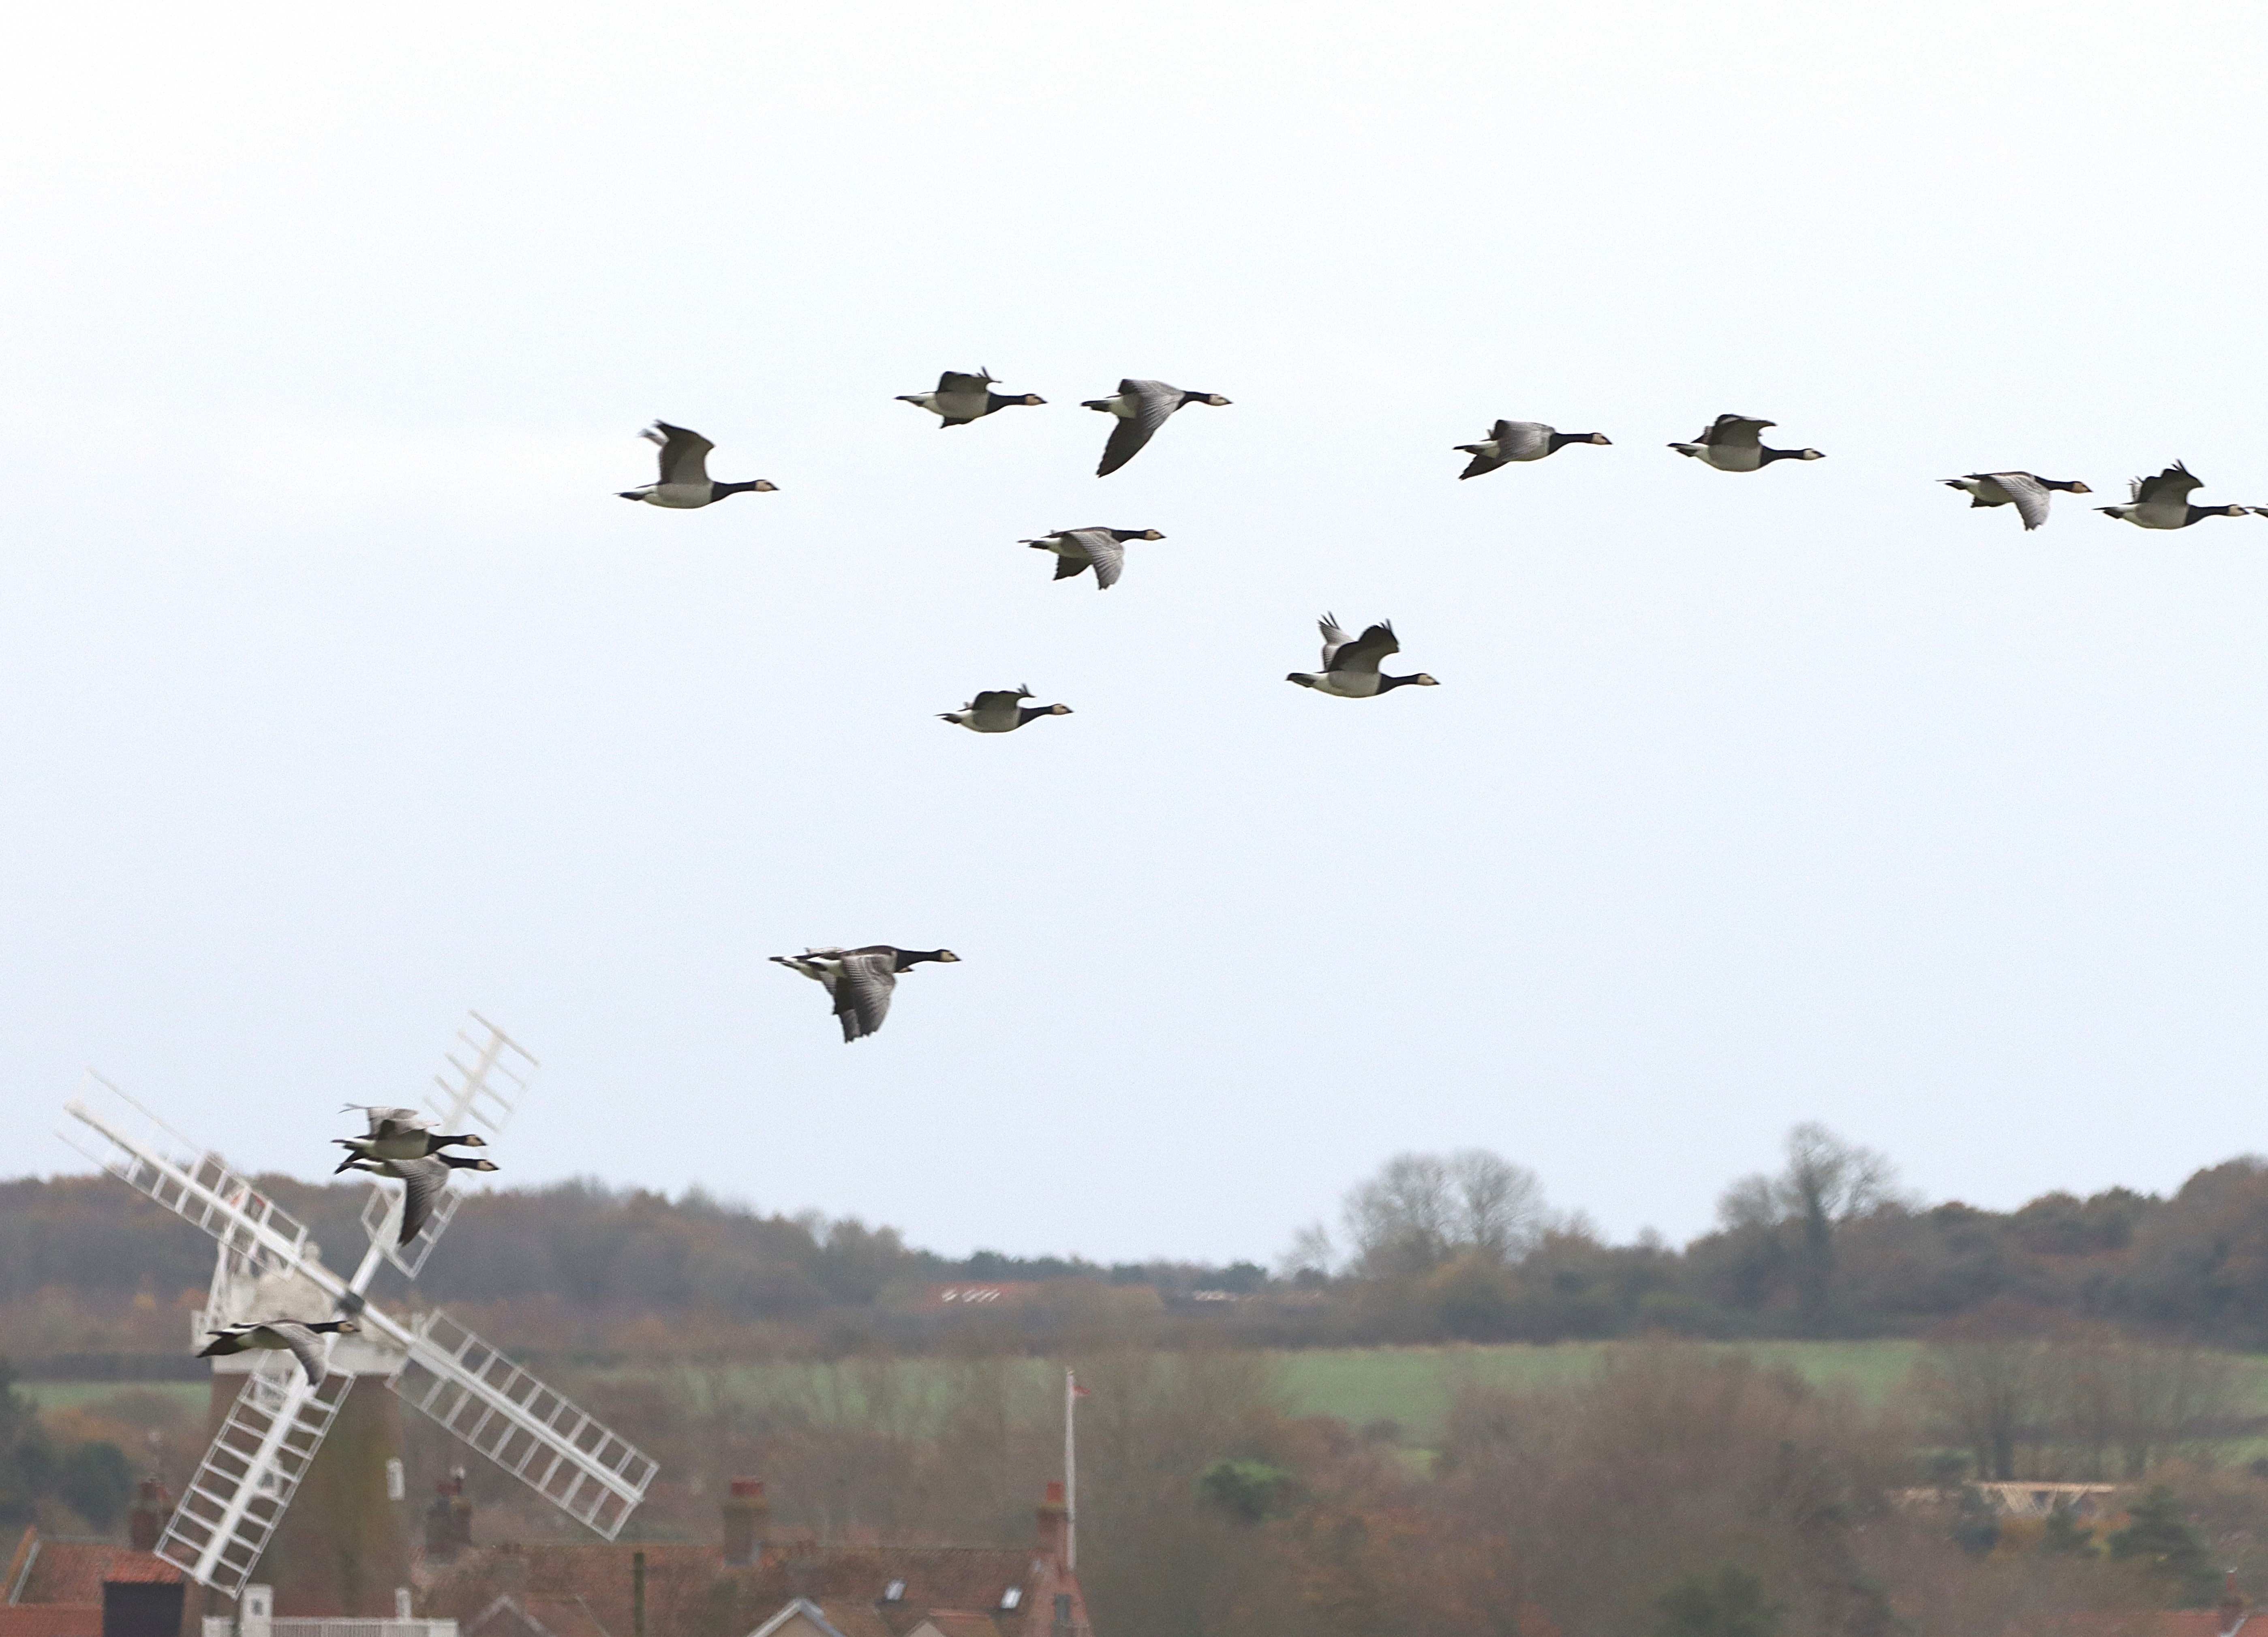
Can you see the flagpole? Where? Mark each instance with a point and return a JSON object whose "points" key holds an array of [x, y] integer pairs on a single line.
{"points": [[1071, 1470]]}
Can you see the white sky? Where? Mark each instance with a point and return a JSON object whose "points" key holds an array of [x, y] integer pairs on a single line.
{"points": [[337, 693]]}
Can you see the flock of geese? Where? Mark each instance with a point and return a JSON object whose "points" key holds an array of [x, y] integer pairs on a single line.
{"points": [[401, 1144], [860, 982]]}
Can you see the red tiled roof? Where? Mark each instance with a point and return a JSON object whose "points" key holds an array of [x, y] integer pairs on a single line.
{"points": [[51, 1619], [537, 1617], [72, 1571]]}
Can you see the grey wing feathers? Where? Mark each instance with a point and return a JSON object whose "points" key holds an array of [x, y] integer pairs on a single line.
{"points": [[1733, 431], [954, 380], [385, 1122], [1102, 550], [1153, 402], [307, 1347], [2029, 494], [422, 1182], [1065, 567], [684, 455], [1334, 638], [996, 699], [862, 994], [1365, 651], [2173, 484], [1109, 562]]}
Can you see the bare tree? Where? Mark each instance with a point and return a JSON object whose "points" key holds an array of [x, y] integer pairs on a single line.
{"points": [[1826, 1181], [1422, 1210]]}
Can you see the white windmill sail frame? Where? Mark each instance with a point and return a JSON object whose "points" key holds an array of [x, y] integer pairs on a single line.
{"points": [[254, 1466], [245, 1483]]}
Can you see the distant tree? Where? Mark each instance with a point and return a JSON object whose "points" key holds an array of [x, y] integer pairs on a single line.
{"points": [[2065, 1536], [1976, 1527], [2158, 1539], [1826, 1182], [1249, 1490], [1422, 1210], [95, 1481], [1725, 1602]]}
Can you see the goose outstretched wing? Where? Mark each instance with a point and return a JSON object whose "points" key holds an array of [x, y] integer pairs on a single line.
{"points": [[1734, 431], [954, 382], [422, 1182], [1153, 402], [1365, 651], [684, 455], [305, 1346], [1103, 549], [863, 989], [2175, 484], [2029, 494]]}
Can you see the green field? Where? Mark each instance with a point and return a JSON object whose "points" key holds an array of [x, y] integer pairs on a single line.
{"points": [[192, 1395], [1412, 1387]]}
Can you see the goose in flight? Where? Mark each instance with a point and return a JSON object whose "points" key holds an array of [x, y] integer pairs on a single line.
{"points": [[422, 1178], [280, 1336], [1350, 665], [685, 482], [960, 399], [1730, 443], [1103, 549], [999, 710], [2163, 501], [2029, 494], [1142, 407], [860, 981], [1519, 440], [400, 1134]]}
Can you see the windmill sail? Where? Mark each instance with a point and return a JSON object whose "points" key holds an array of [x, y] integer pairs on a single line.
{"points": [[263, 1449], [249, 1474], [587, 1472]]}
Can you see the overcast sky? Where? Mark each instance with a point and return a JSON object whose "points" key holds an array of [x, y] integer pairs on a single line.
{"points": [[338, 693]]}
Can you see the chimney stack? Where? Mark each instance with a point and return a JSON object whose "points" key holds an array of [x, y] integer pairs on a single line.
{"points": [[145, 1524], [1054, 1520], [449, 1520], [2232, 1606], [747, 1520]]}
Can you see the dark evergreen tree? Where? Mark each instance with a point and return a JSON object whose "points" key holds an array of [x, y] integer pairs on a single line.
{"points": [[1723, 1601]]}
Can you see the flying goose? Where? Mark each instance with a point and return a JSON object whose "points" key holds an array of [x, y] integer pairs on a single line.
{"points": [[1104, 550], [1519, 440], [389, 1141], [999, 710], [860, 981], [1141, 406], [2029, 494], [281, 1336], [1350, 666], [422, 1178], [685, 482], [2163, 501], [960, 399], [1730, 444]]}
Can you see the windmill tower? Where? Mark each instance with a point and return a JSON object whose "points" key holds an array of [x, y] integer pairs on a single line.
{"points": [[270, 1268]]}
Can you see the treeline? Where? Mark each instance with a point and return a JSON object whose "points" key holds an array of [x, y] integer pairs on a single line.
{"points": [[1433, 1248]]}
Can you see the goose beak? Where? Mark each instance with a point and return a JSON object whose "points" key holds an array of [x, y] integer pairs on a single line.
{"points": [[1601, 438], [2080, 488], [1424, 680], [765, 486]]}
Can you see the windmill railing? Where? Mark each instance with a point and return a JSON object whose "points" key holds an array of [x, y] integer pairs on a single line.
{"points": [[225, 1625]]}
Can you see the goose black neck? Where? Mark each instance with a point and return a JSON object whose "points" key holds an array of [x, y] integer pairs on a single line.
{"points": [[910, 957], [1388, 684], [1770, 455], [1560, 440], [718, 492]]}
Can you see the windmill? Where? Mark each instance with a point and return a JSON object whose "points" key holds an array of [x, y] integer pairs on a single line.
{"points": [[269, 1267]]}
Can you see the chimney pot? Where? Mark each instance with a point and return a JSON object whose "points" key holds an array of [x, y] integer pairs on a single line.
{"points": [[145, 1524], [747, 1518], [1052, 1537], [1054, 1493]]}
